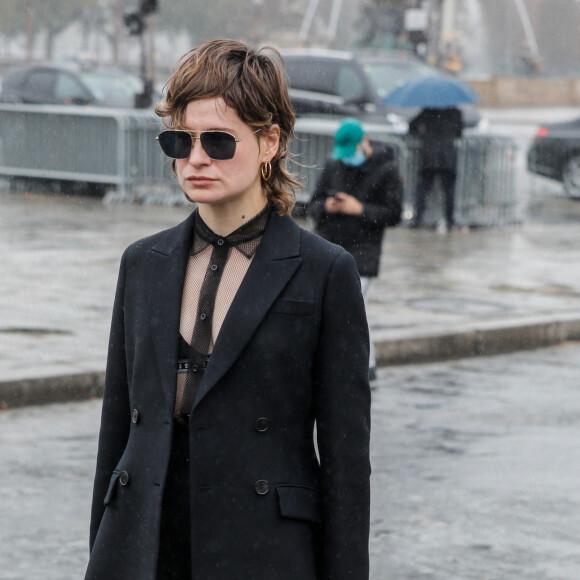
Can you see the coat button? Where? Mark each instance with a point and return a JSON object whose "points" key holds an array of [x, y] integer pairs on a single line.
{"points": [[262, 487], [124, 478], [262, 424], [135, 416]]}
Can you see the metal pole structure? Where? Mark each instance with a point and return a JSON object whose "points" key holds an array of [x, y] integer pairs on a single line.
{"points": [[448, 14], [307, 21], [434, 31], [334, 19], [528, 30], [116, 35], [29, 30], [150, 66]]}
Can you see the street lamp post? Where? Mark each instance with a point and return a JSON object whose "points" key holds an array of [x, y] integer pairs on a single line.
{"points": [[137, 22]]}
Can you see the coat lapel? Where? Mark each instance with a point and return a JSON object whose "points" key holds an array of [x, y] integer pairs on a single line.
{"points": [[167, 266], [274, 264]]}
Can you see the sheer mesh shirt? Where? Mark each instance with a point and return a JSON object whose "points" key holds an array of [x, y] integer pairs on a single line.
{"points": [[216, 267]]}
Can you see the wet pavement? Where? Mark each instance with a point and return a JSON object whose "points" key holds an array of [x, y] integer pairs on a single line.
{"points": [[475, 474], [476, 468], [476, 462], [438, 296], [60, 258]]}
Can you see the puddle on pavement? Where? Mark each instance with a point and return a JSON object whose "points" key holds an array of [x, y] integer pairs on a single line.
{"points": [[457, 305], [549, 290], [30, 331]]}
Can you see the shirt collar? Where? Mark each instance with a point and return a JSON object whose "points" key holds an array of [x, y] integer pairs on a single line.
{"points": [[245, 239]]}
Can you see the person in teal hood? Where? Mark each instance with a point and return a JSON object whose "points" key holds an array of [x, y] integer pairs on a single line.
{"points": [[358, 195]]}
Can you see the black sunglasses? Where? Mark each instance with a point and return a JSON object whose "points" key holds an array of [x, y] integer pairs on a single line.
{"points": [[219, 145]]}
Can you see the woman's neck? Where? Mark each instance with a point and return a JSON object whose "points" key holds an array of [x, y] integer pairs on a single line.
{"points": [[223, 219]]}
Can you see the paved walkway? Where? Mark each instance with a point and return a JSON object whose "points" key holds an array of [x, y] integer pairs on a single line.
{"points": [[475, 474], [438, 296], [475, 465]]}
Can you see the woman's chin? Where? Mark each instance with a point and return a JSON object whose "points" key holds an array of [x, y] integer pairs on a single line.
{"points": [[200, 196]]}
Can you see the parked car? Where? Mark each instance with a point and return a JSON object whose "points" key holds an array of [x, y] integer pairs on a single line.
{"points": [[555, 153], [71, 85], [340, 83]]}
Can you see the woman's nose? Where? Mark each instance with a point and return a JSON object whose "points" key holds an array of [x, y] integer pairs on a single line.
{"points": [[197, 155]]}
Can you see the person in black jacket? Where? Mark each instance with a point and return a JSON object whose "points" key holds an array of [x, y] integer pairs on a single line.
{"points": [[233, 334], [437, 130], [357, 196]]}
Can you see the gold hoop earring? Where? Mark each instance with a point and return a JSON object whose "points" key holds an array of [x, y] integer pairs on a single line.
{"points": [[266, 170]]}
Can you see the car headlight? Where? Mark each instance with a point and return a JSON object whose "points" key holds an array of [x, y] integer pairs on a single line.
{"points": [[398, 124], [483, 125]]}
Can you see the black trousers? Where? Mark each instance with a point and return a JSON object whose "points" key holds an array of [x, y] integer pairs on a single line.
{"points": [[424, 187], [174, 562]]}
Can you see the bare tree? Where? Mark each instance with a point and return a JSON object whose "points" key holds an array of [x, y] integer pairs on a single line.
{"points": [[31, 16], [252, 20], [13, 17]]}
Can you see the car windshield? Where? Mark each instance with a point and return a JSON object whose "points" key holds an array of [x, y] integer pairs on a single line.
{"points": [[386, 76], [113, 89]]}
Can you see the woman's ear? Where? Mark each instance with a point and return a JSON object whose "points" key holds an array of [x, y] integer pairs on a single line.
{"points": [[271, 142]]}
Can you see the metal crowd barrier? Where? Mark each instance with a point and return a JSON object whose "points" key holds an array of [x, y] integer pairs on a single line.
{"points": [[485, 189], [117, 148], [314, 143], [112, 147], [486, 181], [485, 193]]}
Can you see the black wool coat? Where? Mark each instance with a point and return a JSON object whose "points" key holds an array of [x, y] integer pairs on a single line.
{"points": [[292, 352], [376, 183]]}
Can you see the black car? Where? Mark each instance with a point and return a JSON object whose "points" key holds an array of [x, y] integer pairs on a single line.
{"points": [[339, 83], [555, 153], [71, 85]]}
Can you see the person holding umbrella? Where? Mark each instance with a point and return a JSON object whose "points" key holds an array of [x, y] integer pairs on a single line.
{"points": [[436, 130], [436, 127]]}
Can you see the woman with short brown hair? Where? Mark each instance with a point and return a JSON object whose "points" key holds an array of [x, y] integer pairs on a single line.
{"points": [[233, 334], [226, 69]]}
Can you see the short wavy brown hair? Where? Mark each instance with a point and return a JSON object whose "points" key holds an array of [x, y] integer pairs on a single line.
{"points": [[253, 84]]}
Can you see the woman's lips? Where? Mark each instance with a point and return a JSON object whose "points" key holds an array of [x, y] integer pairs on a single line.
{"points": [[200, 180]]}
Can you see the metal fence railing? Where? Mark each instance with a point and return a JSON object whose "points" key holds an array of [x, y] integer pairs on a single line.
{"points": [[94, 145], [485, 189], [117, 148], [314, 143], [486, 180]]}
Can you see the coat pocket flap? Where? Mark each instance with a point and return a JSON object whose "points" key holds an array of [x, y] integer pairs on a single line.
{"points": [[299, 307], [112, 487], [299, 502]]}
